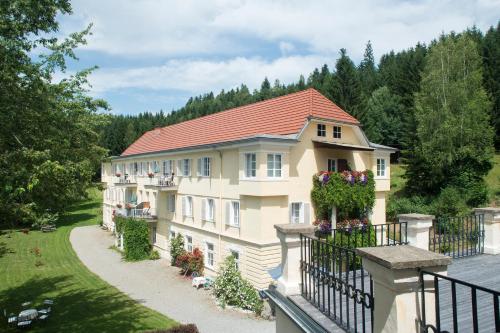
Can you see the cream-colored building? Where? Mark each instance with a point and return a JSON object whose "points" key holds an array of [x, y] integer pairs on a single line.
{"points": [[224, 180]]}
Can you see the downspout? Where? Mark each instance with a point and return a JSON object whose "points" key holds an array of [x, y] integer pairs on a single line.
{"points": [[220, 210]]}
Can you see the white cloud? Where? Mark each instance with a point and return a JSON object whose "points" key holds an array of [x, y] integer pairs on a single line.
{"points": [[173, 28], [199, 76]]}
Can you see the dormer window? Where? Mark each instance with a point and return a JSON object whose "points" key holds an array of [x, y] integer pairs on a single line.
{"points": [[337, 132], [321, 130]]}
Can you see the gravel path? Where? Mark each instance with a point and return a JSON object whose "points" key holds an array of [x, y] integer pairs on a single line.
{"points": [[158, 286]]}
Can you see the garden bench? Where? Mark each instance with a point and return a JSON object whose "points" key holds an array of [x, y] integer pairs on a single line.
{"points": [[48, 228]]}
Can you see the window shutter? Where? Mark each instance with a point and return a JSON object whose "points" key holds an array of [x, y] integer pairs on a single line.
{"points": [[200, 161], [179, 167], [290, 213], [189, 167], [236, 214], [306, 207], [184, 206], [204, 209], [228, 213], [213, 210]]}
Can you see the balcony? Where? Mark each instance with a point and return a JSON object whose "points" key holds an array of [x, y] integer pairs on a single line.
{"points": [[125, 180], [140, 211], [162, 183]]}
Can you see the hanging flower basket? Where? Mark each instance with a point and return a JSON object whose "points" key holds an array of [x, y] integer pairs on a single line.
{"points": [[151, 175]]}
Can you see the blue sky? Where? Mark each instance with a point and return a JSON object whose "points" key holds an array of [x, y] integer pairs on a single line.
{"points": [[154, 55]]}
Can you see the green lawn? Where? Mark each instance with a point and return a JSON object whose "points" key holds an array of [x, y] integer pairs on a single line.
{"points": [[492, 179], [83, 302]]}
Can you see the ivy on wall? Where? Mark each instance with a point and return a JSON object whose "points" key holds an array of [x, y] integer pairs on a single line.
{"points": [[351, 192], [135, 238]]}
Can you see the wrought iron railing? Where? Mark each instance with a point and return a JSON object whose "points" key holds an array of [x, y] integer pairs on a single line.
{"points": [[162, 181], [459, 306], [457, 236], [371, 235], [334, 281]]}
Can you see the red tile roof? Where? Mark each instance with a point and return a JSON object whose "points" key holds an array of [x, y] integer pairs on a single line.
{"points": [[277, 116]]}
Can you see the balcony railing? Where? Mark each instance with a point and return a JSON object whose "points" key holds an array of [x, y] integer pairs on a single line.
{"points": [[162, 181], [126, 179]]}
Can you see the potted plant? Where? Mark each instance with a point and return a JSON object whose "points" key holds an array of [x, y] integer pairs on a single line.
{"points": [[151, 175], [118, 205], [118, 174]]}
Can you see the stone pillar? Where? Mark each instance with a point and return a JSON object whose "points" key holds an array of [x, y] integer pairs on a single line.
{"points": [[289, 236], [418, 226], [396, 287], [491, 228]]}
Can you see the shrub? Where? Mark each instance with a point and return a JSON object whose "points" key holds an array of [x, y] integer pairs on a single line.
{"points": [[450, 203], [176, 248], [230, 288], [135, 238], [191, 262], [188, 328], [154, 255], [414, 204]]}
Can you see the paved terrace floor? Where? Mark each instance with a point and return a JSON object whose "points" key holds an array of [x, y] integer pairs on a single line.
{"points": [[158, 286], [483, 270]]}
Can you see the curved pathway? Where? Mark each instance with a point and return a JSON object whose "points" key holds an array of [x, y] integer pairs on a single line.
{"points": [[158, 286]]}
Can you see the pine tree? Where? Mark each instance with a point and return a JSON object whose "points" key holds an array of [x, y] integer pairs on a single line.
{"points": [[491, 67], [346, 88], [368, 71], [455, 139]]}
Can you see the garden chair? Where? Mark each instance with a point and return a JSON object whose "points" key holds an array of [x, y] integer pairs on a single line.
{"points": [[208, 283]]}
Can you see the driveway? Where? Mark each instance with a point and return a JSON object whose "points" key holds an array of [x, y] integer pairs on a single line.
{"points": [[158, 286]]}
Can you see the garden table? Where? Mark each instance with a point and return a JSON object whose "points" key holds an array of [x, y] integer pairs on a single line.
{"points": [[198, 281], [28, 314]]}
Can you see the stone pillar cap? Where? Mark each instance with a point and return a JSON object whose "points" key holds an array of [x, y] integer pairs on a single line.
{"points": [[403, 257], [295, 228], [415, 216], [488, 209]]}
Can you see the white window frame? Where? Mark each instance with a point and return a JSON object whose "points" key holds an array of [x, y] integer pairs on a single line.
{"points": [[321, 130], [329, 163], [185, 167], [337, 132], [171, 203], [233, 212], [168, 167], [299, 212], [210, 258], [381, 168], [187, 206], [237, 257], [204, 166], [272, 172], [250, 170], [189, 243], [208, 210]]}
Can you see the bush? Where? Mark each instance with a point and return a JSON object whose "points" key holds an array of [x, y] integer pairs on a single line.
{"points": [[176, 248], [450, 203], [414, 204], [191, 262], [188, 328], [154, 255], [230, 288]]}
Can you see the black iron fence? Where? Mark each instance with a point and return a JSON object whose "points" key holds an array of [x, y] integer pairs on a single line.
{"points": [[459, 306], [334, 281], [371, 235], [457, 236]]}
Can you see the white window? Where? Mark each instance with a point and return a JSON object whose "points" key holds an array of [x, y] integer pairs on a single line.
{"points": [[168, 167], [233, 213], [184, 167], [208, 210], [189, 243], [236, 256], [187, 206], [299, 212], [209, 261], [154, 235], [171, 203], [380, 167], [337, 132], [274, 165], [321, 130], [250, 165], [172, 235], [136, 168], [332, 165], [204, 164]]}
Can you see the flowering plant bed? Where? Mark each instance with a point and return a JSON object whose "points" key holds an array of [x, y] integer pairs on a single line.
{"points": [[323, 226]]}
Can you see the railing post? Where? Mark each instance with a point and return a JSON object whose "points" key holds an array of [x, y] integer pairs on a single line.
{"points": [[397, 288], [491, 228], [289, 236], [418, 226]]}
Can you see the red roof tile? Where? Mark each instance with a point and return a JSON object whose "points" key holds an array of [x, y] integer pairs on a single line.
{"points": [[277, 116]]}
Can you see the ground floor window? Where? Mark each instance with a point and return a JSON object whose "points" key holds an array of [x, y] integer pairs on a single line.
{"points": [[189, 244], [236, 256], [332, 165], [209, 261]]}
